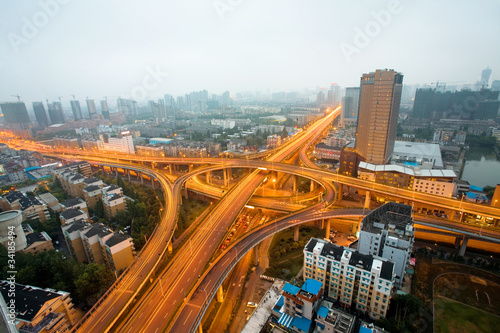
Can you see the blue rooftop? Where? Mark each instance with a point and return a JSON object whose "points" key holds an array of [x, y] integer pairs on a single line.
{"points": [[363, 329], [476, 188], [471, 195], [312, 286], [291, 289], [301, 323], [281, 301], [323, 312], [410, 163]]}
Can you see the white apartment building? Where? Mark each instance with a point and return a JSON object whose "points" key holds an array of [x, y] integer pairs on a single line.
{"points": [[352, 278], [121, 144], [388, 232]]}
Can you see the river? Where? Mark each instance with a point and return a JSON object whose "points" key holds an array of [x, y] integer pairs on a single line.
{"points": [[482, 167]]}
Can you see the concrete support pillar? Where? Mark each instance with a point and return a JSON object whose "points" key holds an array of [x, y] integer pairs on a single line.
{"points": [[367, 199], [185, 191], [190, 166], [313, 185], [296, 233], [116, 172], [128, 175], [142, 178], [153, 182], [452, 215], [295, 181], [463, 247], [169, 166], [207, 177], [256, 255], [170, 247], [341, 192], [220, 295], [495, 223], [200, 328], [224, 173], [327, 229], [457, 242], [462, 216]]}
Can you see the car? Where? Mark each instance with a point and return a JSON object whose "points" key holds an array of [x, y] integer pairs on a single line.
{"points": [[251, 304], [228, 240], [223, 246]]}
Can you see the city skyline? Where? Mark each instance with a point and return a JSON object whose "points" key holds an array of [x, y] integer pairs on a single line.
{"points": [[197, 45]]}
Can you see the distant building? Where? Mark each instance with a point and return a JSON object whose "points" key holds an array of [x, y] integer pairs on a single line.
{"points": [[325, 152], [105, 108], [39, 310], [127, 106], [76, 109], [15, 115], [273, 141], [333, 320], [72, 215], [350, 105], [350, 277], [150, 150], [91, 107], [388, 232], [378, 115], [122, 143], [40, 114], [56, 113]]}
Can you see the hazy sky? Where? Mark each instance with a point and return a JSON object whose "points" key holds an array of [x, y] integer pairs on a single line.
{"points": [[111, 47]]}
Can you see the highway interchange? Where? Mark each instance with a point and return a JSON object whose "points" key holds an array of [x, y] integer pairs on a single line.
{"points": [[179, 294]]}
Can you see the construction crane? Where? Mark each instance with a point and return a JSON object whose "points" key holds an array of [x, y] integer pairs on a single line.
{"points": [[443, 84], [18, 97]]}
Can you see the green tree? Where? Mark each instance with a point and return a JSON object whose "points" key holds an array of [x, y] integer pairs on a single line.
{"points": [[99, 209], [93, 283]]}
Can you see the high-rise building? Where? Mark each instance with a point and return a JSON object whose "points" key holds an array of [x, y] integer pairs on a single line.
{"points": [[127, 106], [320, 98], [77, 110], [15, 115], [495, 85], [350, 277], [91, 107], [378, 114], [485, 77], [388, 232], [40, 114], [162, 110], [56, 113], [334, 95], [105, 108], [350, 104]]}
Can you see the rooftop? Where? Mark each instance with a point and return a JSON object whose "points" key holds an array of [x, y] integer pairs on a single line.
{"points": [[71, 213], [75, 226], [37, 237], [73, 202], [391, 215], [117, 238], [29, 300], [97, 229]]}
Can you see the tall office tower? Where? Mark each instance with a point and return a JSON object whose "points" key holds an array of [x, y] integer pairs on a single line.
{"points": [[56, 113], [40, 114], [127, 106], [388, 232], [334, 95], [180, 102], [320, 98], [485, 77], [152, 107], [91, 107], [105, 108], [350, 105], [162, 110], [378, 115], [15, 115], [77, 110], [226, 98], [169, 103]]}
